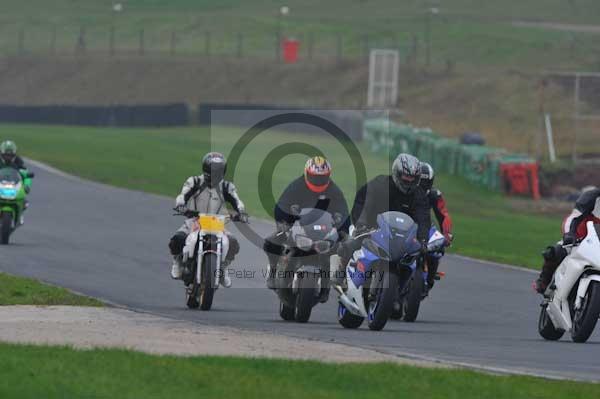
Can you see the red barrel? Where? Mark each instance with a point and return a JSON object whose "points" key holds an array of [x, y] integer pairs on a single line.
{"points": [[290, 50]]}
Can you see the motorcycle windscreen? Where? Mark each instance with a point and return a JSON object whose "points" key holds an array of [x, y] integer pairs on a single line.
{"points": [[10, 176], [316, 223], [397, 235]]}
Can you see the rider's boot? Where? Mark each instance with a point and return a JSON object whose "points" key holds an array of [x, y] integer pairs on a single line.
{"points": [[271, 271], [224, 278], [336, 269], [324, 295], [177, 267]]}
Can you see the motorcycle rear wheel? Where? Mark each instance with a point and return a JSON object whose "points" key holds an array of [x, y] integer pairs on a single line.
{"points": [[586, 317]]}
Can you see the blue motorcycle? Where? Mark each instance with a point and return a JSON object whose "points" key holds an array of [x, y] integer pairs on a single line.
{"points": [[377, 271]]}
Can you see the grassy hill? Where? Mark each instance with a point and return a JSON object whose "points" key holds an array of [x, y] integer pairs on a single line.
{"points": [[462, 31]]}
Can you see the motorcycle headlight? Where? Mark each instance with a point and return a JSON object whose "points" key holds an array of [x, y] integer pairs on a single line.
{"points": [[322, 246], [303, 242], [8, 193]]}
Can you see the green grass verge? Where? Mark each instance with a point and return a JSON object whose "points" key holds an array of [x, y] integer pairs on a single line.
{"points": [[58, 372], [159, 160], [26, 291]]}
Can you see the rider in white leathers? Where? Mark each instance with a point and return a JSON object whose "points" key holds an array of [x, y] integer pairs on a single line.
{"points": [[207, 193]]}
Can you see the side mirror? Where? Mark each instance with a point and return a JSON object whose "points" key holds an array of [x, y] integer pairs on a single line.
{"points": [[30, 175]]}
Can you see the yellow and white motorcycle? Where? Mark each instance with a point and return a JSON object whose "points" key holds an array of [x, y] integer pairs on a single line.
{"points": [[203, 255]]}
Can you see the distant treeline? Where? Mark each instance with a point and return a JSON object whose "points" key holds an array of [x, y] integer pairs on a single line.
{"points": [[112, 115]]}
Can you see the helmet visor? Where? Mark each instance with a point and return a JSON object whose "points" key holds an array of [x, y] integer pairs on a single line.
{"points": [[317, 182], [216, 172], [407, 183]]}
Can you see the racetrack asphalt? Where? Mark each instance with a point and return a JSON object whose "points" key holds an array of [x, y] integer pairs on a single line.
{"points": [[111, 243]]}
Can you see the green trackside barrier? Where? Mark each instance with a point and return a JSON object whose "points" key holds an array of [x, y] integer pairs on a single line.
{"points": [[478, 164]]}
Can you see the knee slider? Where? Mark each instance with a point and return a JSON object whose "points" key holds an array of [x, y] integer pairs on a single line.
{"points": [[234, 247], [177, 243]]}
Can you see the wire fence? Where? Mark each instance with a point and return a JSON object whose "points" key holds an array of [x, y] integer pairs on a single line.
{"points": [[111, 41]]}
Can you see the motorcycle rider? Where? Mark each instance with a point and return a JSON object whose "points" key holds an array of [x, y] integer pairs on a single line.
{"points": [[207, 193], [438, 204], [314, 189], [587, 208], [10, 159], [400, 191]]}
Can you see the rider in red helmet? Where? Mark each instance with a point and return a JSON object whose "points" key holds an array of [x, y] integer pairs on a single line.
{"points": [[314, 189]]}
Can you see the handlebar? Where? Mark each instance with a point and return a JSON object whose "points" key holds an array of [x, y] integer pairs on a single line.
{"points": [[194, 214]]}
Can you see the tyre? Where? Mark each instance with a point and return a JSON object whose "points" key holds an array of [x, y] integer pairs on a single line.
{"points": [[347, 319], [305, 298], [586, 317], [397, 310], [381, 308], [192, 297], [286, 312], [207, 285], [546, 328], [6, 228], [412, 301]]}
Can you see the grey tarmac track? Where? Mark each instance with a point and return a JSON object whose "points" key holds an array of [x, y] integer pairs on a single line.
{"points": [[111, 243]]}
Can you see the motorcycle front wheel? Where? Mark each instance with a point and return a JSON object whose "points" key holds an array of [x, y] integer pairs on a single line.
{"points": [[208, 284], [347, 319], [545, 327], [305, 298], [412, 301], [382, 306], [586, 317], [6, 228]]}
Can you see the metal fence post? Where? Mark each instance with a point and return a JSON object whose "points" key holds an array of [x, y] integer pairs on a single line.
{"points": [[142, 44], [173, 42], [21, 41], [111, 40], [240, 45], [339, 48], [53, 41], [207, 43], [81, 45], [366, 45]]}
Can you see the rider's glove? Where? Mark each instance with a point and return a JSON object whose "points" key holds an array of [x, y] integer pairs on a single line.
{"points": [[283, 227], [423, 248], [180, 208], [243, 217], [449, 238], [359, 229], [568, 239]]}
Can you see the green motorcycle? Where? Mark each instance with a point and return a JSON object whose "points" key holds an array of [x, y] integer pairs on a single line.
{"points": [[14, 186]]}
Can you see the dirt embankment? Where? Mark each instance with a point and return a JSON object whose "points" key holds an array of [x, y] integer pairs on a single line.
{"points": [[502, 105]]}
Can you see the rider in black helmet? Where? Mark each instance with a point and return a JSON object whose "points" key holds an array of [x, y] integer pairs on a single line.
{"points": [[207, 193], [400, 192]]}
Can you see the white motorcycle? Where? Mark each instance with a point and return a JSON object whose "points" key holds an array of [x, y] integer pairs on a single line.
{"points": [[572, 300], [203, 253]]}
